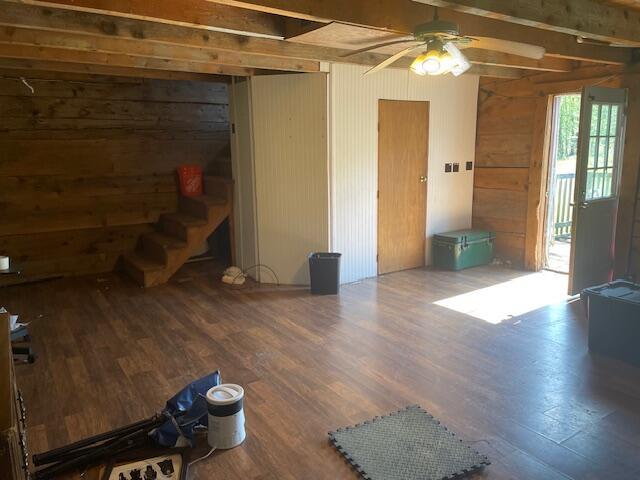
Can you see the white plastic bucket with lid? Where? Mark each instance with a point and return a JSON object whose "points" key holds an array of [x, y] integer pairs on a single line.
{"points": [[226, 416]]}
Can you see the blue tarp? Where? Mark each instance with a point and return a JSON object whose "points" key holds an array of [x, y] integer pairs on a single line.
{"points": [[185, 411]]}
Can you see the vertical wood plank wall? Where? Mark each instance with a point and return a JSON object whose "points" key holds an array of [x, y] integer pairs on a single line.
{"points": [[87, 163]]}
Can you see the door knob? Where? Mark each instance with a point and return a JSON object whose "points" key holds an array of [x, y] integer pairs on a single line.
{"points": [[423, 179]]}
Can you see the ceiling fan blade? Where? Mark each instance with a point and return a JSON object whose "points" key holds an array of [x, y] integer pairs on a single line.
{"points": [[379, 45], [393, 58], [506, 46]]}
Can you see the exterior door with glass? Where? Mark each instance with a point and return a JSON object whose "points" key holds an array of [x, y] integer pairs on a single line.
{"points": [[598, 167]]}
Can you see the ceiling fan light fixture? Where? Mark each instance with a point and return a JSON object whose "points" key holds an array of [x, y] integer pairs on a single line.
{"points": [[460, 62], [446, 64], [460, 69], [427, 63], [435, 61], [416, 65], [432, 65], [441, 38]]}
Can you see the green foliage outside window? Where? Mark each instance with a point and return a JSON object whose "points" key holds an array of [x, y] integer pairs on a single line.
{"points": [[568, 124]]}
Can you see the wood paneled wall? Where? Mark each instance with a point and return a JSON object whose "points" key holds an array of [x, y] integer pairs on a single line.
{"points": [[87, 163], [504, 140], [511, 151]]}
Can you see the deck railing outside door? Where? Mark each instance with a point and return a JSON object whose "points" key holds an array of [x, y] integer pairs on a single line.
{"points": [[563, 211]]}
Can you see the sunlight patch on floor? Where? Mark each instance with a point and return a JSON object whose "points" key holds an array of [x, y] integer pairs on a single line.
{"points": [[510, 299]]}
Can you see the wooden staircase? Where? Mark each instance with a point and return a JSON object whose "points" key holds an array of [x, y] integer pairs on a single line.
{"points": [[179, 235]]}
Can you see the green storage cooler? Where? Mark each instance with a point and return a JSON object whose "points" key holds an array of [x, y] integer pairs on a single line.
{"points": [[463, 249]]}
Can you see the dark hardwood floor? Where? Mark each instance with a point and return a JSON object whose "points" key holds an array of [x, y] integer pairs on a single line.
{"points": [[525, 391]]}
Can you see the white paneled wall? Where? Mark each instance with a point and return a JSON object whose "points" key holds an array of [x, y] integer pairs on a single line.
{"points": [[242, 164], [310, 147], [354, 154], [289, 122]]}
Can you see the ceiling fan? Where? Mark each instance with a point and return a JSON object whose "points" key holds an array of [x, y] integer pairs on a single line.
{"points": [[441, 42]]}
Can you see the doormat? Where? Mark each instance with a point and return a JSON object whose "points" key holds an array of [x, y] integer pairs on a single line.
{"points": [[406, 445]]}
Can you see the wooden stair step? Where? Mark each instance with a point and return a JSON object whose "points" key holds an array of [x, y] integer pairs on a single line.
{"points": [[184, 219], [180, 235], [201, 206], [210, 199], [142, 269], [161, 247], [166, 241], [142, 262], [179, 224]]}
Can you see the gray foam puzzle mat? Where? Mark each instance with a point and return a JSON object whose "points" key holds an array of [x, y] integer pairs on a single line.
{"points": [[409, 444]]}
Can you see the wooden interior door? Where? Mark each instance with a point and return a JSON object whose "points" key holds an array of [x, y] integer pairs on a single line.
{"points": [[403, 140], [598, 168]]}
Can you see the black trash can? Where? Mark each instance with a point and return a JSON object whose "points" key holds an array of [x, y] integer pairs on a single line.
{"points": [[324, 270]]}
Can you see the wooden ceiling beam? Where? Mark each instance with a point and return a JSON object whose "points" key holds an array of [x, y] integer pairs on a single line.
{"points": [[498, 59], [25, 67], [70, 22], [187, 13], [404, 15], [136, 48], [584, 18], [74, 41], [32, 25], [496, 72], [117, 60]]}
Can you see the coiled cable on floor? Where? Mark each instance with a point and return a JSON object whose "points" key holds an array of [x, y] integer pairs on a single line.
{"points": [[259, 265], [207, 455]]}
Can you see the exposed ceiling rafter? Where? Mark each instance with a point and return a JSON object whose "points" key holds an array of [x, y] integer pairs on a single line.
{"points": [[403, 15], [34, 25], [195, 36], [20, 36], [117, 60], [187, 13], [22, 67], [581, 18]]}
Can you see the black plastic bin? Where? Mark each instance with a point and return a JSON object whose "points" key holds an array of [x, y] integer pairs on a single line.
{"points": [[324, 270]]}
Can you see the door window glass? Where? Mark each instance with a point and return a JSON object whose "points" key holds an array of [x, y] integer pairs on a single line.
{"points": [[603, 151]]}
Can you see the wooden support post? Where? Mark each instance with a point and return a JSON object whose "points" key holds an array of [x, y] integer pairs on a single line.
{"points": [[537, 185]]}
